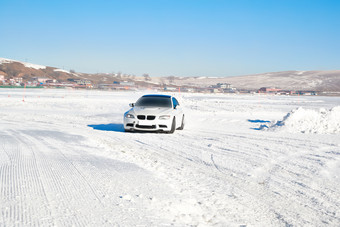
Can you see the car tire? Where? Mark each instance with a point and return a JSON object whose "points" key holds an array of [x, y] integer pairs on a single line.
{"points": [[173, 126], [182, 125]]}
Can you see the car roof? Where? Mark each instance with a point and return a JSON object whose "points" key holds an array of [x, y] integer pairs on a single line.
{"points": [[163, 96]]}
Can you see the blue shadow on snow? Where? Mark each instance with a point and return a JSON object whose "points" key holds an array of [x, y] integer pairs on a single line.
{"points": [[259, 121], [108, 127]]}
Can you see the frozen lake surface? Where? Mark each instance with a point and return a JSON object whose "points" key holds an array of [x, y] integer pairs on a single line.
{"points": [[65, 160]]}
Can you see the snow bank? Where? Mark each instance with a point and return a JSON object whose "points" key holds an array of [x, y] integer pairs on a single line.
{"points": [[61, 70], [320, 121]]}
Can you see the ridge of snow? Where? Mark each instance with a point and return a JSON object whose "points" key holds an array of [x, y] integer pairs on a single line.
{"points": [[302, 120], [5, 60], [26, 64], [61, 70], [66, 71], [300, 72]]}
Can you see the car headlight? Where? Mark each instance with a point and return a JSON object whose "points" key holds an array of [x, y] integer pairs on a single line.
{"points": [[164, 117], [129, 116]]}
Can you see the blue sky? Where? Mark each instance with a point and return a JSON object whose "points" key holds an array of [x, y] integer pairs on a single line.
{"points": [[173, 37]]}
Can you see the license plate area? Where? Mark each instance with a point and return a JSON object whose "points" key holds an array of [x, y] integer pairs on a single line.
{"points": [[144, 123]]}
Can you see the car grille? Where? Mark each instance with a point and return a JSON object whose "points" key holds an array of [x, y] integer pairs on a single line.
{"points": [[146, 126], [143, 117], [150, 117]]}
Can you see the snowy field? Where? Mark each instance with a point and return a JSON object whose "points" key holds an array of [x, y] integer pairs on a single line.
{"points": [[65, 161]]}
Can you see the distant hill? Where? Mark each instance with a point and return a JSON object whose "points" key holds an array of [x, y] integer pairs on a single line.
{"points": [[13, 69], [28, 71], [289, 80]]}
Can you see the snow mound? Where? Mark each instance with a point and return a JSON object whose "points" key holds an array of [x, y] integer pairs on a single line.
{"points": [[302, 120]]}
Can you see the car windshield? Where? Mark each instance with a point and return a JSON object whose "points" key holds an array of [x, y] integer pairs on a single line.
{"points": [[154, 101]]}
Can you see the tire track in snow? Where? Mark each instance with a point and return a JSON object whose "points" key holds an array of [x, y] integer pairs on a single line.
{"points": [[64, 209], [191, 177], [24, 180], [258, 191], [293, 171], [20, 184], [77, 201], [247, 149], [67, 190]]}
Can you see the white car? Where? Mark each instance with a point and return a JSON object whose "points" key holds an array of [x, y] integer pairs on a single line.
{"points": [[154, 113]]}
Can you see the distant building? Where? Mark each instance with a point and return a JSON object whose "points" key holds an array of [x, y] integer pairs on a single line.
{"points": [[222, 88], [51, 81], [170, 88], [187, 89], [18, 79], [306, 93], [215, 90], [83, 82], [285, 92], [115, 86], [41, 79], [229, 90], [2, 80], [223, 85], [269, 90], [127, 83]]}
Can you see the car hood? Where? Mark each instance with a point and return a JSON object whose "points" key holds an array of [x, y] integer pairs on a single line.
{"points": [[150, 111]]}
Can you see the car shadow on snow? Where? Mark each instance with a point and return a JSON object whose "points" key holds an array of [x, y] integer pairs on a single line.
{"points": [[108, 127], [117, 128], [259, 121]]}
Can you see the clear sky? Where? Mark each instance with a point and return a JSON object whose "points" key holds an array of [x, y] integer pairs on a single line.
{"points": [[173, 37]]}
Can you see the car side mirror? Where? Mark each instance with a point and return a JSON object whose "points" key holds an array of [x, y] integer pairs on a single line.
{"points": [[131, 104]]}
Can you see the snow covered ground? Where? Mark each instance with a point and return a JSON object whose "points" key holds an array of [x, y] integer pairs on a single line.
{"points": [[65, 160]]}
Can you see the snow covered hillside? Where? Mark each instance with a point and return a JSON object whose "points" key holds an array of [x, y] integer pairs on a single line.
{"points": [[287, 80], [65, 160]]}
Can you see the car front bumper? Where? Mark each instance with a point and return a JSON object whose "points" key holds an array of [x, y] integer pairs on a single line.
{"points": [[133, 124]]}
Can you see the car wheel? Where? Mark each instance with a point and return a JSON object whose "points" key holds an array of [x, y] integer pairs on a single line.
{"points": [[173, 126], [182, 125]]}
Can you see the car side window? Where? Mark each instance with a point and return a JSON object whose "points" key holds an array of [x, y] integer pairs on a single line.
{"points": [[175, 102]]}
